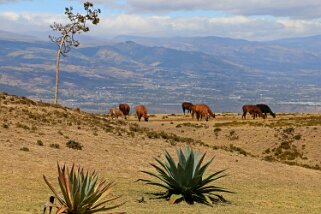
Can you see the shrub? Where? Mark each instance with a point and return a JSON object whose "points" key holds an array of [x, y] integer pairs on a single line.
{"points": [[6, 126], [297, 137], [74, 145], [25, 149], [39, 143], [54, 145], [185, 180], [82, 192]]}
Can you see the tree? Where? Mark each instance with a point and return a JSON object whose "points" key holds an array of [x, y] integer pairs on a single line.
{"points": [[77, 24]]}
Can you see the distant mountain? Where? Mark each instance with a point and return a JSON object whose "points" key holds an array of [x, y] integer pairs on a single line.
{"points": [[162, 72], [5, 35]]}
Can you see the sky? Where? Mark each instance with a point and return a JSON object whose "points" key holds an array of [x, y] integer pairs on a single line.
{"points": [[258, 20]]}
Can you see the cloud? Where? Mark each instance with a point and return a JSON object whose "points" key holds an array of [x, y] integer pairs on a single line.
{"points": [[238, 26], [28, 22], [11, 1], [279, 8], [252, 28]]}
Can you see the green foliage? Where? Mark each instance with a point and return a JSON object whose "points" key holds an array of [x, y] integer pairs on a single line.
{"points": [[185, 179], [82, 192], [74, 145]]}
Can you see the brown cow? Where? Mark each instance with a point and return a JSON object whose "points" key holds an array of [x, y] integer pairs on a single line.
{"points": [[202, 111], [124, 107], [141, 111], [252, 109], [187, 106], [115, 112]]}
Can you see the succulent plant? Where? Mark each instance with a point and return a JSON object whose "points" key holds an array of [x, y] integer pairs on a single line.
{"points": [[82, 192], [185, 179]]}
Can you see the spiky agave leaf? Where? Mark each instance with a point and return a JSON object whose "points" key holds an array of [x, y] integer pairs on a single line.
{"points": [[81, 192], [185, 180]]}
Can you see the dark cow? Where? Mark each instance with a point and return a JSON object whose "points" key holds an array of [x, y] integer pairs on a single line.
{"points": [[252, 109], [141, 111], [202, 111], [124, 107], [187, 106], [265, 109]]}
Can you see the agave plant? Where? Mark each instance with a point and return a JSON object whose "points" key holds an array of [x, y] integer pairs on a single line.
{"points": [[185, 180], [82, 192]]}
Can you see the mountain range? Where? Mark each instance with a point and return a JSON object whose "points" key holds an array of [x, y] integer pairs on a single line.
{"points": [[163, 72]]}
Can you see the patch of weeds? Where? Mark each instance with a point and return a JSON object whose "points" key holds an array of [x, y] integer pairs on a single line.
{"points": [[136, 128], [216, 131], [238, 150], [232, 135], [5, 126], [23, 126], [55, 145], [39, 143], [25, 149], [297, 137], [74, 145], [289, 130], [267, 151], [131, 134], [194, 125], [269, 158]]}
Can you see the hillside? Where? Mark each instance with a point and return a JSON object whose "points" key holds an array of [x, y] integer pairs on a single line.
{"points": [[273, 165], [225, 73]]}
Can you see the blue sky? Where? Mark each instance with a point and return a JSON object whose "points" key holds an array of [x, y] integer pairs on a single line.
{"points": [[246, 19]]}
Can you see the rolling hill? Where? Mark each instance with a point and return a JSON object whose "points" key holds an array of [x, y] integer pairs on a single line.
{"points": [[162, 72]]}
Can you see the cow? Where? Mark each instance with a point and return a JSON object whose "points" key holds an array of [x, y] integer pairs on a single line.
{"points": [[265, 109], [124, 107], [187, 106], [115, 112], [252, 109], [202, 111], [141, 111]]}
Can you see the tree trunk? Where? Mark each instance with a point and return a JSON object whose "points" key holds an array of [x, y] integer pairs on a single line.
{"points": [[57, 69]]}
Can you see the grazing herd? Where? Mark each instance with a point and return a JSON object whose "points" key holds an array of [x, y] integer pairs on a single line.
{"points": [[200, 111]]}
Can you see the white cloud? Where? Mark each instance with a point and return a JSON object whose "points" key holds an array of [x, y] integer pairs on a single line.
{"points": [[28, 22], [252, 28], [11, 1], [280, 8]]}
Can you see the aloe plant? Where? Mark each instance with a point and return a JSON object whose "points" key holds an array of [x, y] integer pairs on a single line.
{"points": [[185, 179], [82, 192]]}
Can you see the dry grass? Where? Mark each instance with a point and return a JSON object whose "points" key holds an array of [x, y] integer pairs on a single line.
{"points": [[119, 149]]}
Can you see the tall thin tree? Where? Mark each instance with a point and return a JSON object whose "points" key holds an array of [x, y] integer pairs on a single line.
{"points": [[65, 41]]}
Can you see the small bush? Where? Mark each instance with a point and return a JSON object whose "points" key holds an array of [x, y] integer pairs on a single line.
{"points": [[54, 145], [297, 137], [6, 126], [39, 143], [233, 135], [25, 149], [23, 126], [74, 145], [289, 130]]}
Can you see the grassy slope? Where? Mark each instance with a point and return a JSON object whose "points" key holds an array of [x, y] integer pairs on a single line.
{"points": [[118, 153]]}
